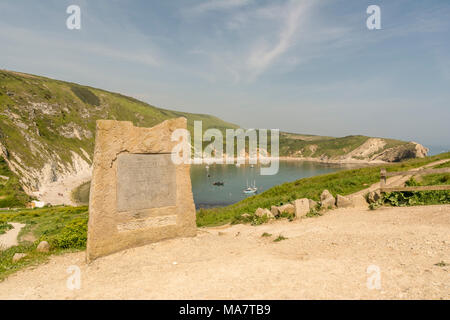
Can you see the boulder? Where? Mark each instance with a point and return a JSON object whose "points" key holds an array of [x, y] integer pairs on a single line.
{"points": [[373, 196], [327, 200], [18, 256], [245, 215], [343, 202], [260, 212], [302, 207], [43, 247], [275, 211], [287, 208], [359, 201]]}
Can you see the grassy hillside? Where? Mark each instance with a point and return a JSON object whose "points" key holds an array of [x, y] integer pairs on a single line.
{"points": [[45, 121], [61, 116]]}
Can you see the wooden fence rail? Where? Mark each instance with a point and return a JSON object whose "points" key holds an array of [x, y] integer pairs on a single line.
{"points": [[384, 174]]}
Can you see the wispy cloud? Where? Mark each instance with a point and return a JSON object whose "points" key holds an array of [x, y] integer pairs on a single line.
{"points": [[257, 36], [262, 57]]}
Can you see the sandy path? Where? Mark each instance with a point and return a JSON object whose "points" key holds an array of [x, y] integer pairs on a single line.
{"points": [[325, 257], [9, 239]]}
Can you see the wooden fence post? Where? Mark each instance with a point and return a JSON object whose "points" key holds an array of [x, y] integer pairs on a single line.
{"points": [[382, 178]]}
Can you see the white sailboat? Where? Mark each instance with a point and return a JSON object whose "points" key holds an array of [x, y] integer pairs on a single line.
{"points": [[251, 189]]}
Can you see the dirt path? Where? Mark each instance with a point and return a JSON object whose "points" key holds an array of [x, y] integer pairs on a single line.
{"points": [[9, 239], [325, 257]]}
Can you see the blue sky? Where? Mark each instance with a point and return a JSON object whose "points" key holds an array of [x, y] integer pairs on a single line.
{"points": [[300, 66]]}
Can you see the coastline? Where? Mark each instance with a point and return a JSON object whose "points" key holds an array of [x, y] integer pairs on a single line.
{"points": [[268, 160], [334, 161]]}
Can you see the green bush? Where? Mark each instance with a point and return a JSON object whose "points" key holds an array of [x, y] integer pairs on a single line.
{"points": [[400, 199], [72, 236]]}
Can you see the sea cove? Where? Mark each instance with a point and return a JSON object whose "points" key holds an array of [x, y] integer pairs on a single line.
{"points": [[236, 178]]}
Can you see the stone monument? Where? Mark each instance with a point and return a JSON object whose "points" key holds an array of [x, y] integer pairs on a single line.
{"points": [[138, 195]]}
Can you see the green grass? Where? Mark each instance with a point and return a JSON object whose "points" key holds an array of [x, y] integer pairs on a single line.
{"points": [[435, 179], [85, 95], [11, 192], [4, 227], [65, 228], [443, 165], [280, 238], [265, 235], [342, 182]]}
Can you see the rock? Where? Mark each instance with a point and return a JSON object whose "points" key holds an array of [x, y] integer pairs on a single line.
{"points": [[43, 247], [130, 167], [275, 211], [302, 207], [402, 152], [359, 201], [246, 215], [373, 196], [312, 204], [18, 256], [327, 200], [287, 208], [260, 212], [343, 202]]}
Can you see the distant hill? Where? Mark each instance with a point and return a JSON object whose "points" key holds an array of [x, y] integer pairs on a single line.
{"points": [[47, 130]]}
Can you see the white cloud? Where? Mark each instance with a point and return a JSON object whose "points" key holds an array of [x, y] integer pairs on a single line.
{"points": [[263, 56]]}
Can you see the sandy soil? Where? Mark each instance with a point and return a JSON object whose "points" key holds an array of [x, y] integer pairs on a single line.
{"points": [[325, 257], [9, 238]]}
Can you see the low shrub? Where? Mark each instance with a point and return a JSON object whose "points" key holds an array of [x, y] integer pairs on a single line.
{"points": [[72, 236]]}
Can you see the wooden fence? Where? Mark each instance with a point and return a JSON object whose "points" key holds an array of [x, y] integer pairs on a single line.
{"points": [[384, 175]]}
